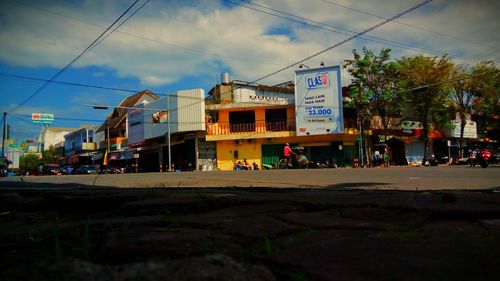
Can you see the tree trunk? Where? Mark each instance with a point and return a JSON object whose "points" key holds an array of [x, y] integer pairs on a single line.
{"points": [[385, 123], [462, 128], [425, 133]]}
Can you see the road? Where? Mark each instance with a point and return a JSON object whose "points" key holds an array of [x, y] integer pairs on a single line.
{"points": [[400, 178], [308, 225]]}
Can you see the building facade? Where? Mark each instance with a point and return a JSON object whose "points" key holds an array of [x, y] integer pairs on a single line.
{"points": [[253, 122], [169, 133]]}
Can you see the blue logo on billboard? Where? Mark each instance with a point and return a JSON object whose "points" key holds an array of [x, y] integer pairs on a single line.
{"points": [[319, 80]]}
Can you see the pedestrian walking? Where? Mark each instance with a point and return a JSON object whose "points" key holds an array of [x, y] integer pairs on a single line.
{"points": [[287, 152], [386, 158]]}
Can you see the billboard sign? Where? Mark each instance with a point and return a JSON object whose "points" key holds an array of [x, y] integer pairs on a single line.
{"points": [[470, 130], [42, 118], [318, 101]]}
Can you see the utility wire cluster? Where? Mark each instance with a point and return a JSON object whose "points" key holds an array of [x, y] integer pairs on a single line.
{"points": [[250, 5]]}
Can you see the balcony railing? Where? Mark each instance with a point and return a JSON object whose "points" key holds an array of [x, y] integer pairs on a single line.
{"points": [[222, 128]]}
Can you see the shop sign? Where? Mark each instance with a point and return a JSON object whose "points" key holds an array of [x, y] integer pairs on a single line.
{"points": [[318, 101], [470, 130], [42, 118], [88, 146], [411, 125]]}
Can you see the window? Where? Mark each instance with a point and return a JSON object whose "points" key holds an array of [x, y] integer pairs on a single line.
{"points": [[242, 121], [160, 117], [276, 119], [212, 116]]}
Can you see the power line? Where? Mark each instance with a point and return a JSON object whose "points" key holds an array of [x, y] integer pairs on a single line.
{"points": [[68, 83], [338, 30], [451, 81], [345, 40], [94, 43], [58, 117], [171, 45], [333, 46], [407, 24], [123, 22], [16, 76]]}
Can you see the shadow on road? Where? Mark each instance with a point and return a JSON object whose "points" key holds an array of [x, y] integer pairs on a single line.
{"points": [[63, 230]]}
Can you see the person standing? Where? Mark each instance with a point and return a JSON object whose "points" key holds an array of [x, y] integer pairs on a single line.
{"points": [[387, 157], [287, 152]]}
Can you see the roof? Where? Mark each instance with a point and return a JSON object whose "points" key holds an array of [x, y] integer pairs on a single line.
{"points": [[287, 87], [118, 114]]}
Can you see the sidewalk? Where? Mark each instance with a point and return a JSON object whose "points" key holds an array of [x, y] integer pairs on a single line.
{"points": [[249, 234]]}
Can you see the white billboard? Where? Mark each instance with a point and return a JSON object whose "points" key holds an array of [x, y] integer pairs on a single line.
{"points": [[318, 101], [470, 130], [42, 118]]}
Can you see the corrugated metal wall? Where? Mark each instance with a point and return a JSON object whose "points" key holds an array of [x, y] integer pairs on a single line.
{"points": [[189, 110]]}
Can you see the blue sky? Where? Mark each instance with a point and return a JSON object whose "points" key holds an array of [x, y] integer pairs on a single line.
{"points": [[174, 45]]}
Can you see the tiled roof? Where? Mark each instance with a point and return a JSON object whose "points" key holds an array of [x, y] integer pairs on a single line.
{"points": [[118, 114]]}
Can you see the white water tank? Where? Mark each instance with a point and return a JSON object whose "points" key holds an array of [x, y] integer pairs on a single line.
{"points": [[224, 78]]}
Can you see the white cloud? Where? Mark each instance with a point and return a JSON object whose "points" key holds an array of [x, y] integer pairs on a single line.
{"points": [[184, 37]]}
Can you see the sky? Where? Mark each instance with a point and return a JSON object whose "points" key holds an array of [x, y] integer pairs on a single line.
{"points": [[174, 45]]}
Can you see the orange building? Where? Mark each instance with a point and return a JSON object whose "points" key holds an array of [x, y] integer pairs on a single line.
{"points": [[253, 122]]}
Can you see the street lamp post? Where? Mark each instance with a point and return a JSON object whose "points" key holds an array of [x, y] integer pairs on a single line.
{"points": [[168, 135], [108, 147], [4, 129]]}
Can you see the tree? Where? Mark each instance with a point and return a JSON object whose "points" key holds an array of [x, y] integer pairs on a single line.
{"points": [[375, 89], [50, 155], [486, 87], [424, 78], [474, 86], [29, 162]]}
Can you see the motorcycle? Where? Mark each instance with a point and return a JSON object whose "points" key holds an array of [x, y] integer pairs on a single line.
{"points": [[484, 158], [481, 157]]}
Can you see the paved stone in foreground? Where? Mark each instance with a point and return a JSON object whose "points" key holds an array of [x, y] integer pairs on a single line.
{"points": [[248, 234]]}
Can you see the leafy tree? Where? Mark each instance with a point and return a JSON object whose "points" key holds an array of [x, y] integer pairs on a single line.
{"points": [[29, 162], [50, 155], [477, 85], [424, 79], [375, 88], [486, 87]]}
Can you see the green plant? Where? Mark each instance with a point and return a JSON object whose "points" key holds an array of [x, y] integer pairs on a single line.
{"points": [[84, 242], [297, 276], [267, 247], [57, 241]]}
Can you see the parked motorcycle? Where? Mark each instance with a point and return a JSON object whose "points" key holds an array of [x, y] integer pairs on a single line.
{"points": [[484, 158], [481, 157]]}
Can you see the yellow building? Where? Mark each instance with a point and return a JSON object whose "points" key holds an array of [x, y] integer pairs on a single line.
{"points": [[253, 122]]}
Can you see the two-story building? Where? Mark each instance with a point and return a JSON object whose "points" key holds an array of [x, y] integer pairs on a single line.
{"points": [[112, 135], [79, 146], [169, 133], [253, 122]]}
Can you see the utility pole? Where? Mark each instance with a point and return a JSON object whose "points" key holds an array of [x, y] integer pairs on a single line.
{"points": [[108, 148], [4, 132], [168, 136]]}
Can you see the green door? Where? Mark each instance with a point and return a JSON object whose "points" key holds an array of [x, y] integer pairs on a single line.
{"points": [[271, 153]]}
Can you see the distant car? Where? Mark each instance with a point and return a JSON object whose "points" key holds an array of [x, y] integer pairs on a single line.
{"points": [[51, 169], [87, 170], [68, 170], [4, 164]]}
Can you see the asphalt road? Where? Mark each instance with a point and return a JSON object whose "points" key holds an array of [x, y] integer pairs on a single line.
{"points": [[401, 178]]}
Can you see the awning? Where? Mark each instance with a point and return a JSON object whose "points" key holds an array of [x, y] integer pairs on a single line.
{"points": [[97, 156], [127, 155], [122, 155]]}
